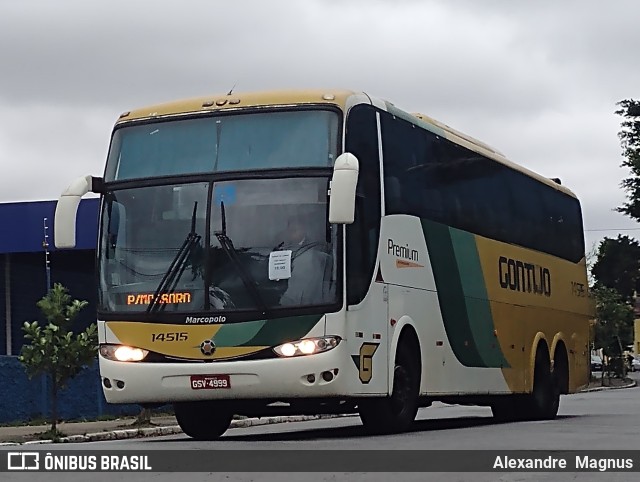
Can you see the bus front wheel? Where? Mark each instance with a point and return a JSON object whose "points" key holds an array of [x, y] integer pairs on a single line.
{"points": [[397, 412], [203, 420]]}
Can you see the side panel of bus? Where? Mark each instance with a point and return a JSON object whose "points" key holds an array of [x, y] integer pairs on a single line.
{"points": [[478, 332], [461, 356]]}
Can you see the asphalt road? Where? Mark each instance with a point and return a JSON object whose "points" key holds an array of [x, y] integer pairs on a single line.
{"points": [[604, 420]]}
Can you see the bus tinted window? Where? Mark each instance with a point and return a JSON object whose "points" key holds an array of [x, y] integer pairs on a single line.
{"points": [[431, 177]]}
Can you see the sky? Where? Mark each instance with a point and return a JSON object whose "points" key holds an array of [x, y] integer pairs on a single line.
{"points": [[538, 80]]}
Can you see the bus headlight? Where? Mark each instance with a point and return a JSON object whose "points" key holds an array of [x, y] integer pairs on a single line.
{"points": [[307, 346], [123, 353]]}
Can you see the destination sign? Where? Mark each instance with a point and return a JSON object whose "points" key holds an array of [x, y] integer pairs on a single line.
{"points": [[176, 298]]}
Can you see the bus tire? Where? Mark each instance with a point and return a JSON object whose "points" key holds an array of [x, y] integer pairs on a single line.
{"points": [[544, 399], [561, 368], [203, 420], [395, 413], [507, 408]]}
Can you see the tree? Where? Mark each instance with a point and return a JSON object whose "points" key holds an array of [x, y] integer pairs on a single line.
{"points": [[617, 265], [53, 349], [614, 322], [630, 142]]}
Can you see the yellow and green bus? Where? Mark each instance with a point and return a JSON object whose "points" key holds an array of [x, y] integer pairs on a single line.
{"points": [[311, 252]]}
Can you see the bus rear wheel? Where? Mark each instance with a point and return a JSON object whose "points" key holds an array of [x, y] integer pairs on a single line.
{"points": [[544, 400], [203, 420], [395, 413]]}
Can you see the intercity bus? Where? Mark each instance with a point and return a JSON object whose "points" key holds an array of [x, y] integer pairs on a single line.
{"points": [[313, 252]]}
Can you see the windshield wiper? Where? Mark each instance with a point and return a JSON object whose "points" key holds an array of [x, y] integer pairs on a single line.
{"points": [[176, 268], [232, 254]]}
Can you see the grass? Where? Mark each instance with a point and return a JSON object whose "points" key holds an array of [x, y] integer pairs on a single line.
{"points": [[53, 435], [39, 420], [27, 423]]}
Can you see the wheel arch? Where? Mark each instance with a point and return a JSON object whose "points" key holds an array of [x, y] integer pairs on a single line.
{"points": [[560, 362], [539, 343], [404, 336]]}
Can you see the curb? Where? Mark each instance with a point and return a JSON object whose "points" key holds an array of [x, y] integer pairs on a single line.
{"points": [[600, 389], [170, 430]]}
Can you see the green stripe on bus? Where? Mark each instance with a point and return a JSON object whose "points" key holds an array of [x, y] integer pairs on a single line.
{"points": [[476, 299], [464, 303], [237, 334], [281, 330], [450, 293]]}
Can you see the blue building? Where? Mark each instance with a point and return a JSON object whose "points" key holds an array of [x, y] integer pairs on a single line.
{"points": [[24, 281], [23, 273]]}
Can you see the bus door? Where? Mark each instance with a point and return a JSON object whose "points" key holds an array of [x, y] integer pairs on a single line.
{"points": [[368, 342]]}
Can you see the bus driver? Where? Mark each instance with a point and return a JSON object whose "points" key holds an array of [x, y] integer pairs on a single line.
{"points": [[309, 263]]}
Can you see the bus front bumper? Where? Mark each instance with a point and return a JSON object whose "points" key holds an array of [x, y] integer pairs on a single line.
{"points": [[312, 376]]}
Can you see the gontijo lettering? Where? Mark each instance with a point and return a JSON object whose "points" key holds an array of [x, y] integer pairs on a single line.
{"points": [[164, 298], [518, 275]]}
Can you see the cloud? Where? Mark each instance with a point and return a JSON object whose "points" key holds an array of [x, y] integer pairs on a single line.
{"points": [[538, 80]]}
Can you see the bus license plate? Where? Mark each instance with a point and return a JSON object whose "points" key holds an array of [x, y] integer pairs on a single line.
{"points": [[210, 382]]}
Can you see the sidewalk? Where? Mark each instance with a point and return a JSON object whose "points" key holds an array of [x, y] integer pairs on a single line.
{"points": [[89, 431], [597, 385], [125, 428]]}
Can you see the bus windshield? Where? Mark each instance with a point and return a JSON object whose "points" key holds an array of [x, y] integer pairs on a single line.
{"points": [[242, 245], [236, 142]]}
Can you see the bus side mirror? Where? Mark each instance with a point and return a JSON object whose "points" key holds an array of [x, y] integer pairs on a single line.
{"points": [[342, 201], [64, 225]]}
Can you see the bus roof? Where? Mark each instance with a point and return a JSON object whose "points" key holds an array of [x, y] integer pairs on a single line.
{"points": [[232, 100], [466, 137], [488, 151]]}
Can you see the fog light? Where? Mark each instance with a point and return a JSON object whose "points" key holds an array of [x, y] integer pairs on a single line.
{"points": [[327, 376]]}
